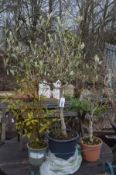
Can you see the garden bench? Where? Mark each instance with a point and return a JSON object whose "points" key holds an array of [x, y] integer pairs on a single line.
{"points": [[50, 104], [6, 117], [114, 147]]}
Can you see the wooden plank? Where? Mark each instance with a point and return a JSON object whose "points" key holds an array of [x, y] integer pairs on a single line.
{"points": [[4, 94]]}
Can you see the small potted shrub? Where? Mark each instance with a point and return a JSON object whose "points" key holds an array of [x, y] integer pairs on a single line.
{"points": [[32, 122], [82, 107], [91, 145]]}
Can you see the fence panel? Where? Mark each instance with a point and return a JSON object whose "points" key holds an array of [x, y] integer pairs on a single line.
{"points": [[110, 57]]}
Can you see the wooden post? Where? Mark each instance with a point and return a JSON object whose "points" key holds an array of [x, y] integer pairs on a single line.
{"points": [[3, 130]]}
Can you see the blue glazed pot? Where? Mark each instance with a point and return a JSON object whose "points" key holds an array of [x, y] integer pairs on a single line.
{"points": [[63, 148]]}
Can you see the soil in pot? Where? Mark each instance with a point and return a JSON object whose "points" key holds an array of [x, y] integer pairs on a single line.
{"points": [[63, 147], [91, 151]]}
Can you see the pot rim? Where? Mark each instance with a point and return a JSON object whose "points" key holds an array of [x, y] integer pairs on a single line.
{"points": [[62, 140], [81, 140], [35, 149]]}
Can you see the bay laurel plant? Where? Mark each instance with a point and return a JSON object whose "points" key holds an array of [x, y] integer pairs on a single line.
{"points": [[56, 55]]}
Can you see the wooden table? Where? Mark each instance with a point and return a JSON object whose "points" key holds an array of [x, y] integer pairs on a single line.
{"points": [[14, 161]]}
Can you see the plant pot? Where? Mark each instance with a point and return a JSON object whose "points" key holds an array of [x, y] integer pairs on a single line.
{"points": [[36, 156], [91, 153], [63, 148]]}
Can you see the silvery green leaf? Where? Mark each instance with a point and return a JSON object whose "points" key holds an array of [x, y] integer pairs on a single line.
{"points": [[12, 71], [96, 59], [7, 71], [36, 65]]}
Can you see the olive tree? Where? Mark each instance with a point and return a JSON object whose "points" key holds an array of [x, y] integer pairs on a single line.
{"points": [[56, 56]]}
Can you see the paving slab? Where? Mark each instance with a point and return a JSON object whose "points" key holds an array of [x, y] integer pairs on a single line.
{"points": [[13, 161]]}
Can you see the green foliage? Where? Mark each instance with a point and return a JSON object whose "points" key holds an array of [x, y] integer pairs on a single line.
{"points": [[32, 120], [47, 59], [80, 105], [87, 106], [59, 55], [55, 57]]}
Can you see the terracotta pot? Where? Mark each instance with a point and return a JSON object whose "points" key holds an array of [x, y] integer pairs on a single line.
{"points": [[91, 153]]}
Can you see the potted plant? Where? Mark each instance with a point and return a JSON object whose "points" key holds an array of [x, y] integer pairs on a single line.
{"points": [[91, 145], [32, 122], [64, 148], [58, 51], [82, 108]]}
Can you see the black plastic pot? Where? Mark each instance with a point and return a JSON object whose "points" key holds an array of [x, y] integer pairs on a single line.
{"points": [[110, 140], [63, 148]]}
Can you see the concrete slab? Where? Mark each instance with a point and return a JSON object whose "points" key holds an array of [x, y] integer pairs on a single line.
{"points": [[13, 161]]}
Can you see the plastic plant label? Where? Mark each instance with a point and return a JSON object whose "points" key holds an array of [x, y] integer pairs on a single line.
{"points": [[6, 115], [12, 120], [62, 102]]}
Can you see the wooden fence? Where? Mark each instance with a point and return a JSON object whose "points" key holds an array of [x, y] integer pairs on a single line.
{"points": [[110, 58]]}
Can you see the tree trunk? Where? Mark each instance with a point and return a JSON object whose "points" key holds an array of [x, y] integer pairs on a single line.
{"points": [[91, 130], [63, 125]]}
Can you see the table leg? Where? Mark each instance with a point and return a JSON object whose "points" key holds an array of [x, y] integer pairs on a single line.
{"points": [[3, 130]]}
